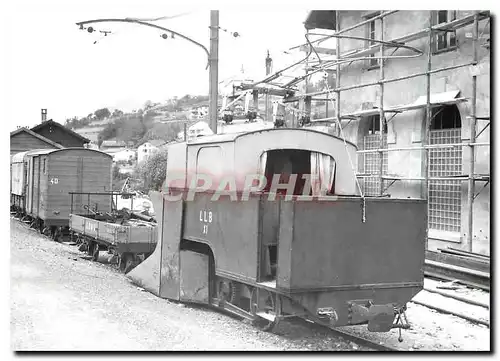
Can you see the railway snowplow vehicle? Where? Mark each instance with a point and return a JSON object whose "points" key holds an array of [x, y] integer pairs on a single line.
{"points": [[228, 236]]}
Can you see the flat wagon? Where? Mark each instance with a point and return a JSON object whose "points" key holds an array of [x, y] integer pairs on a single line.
{"points": [[322, 251], [130, 241]]}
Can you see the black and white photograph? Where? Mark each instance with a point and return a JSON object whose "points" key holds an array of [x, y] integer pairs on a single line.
{"points": [[262, 177]]}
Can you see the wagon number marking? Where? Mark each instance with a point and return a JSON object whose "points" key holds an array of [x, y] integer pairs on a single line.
{"points": [[54, 180], [206, 219]]}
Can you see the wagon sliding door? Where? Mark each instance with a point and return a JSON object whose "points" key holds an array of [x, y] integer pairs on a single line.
{"points": [[36, 186]]}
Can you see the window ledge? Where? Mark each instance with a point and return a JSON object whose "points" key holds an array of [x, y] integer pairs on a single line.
{"points": [[445, 236], [446, 50]]}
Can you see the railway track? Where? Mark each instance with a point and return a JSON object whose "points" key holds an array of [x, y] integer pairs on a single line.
{"points": [[361, 341], [470, 277]]}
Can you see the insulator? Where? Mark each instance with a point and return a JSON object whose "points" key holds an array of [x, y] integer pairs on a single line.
{"points": [[90, 29], [164, 36]]}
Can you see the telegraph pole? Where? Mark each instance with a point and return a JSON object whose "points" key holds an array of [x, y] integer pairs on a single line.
{"points": [[269, 64], [214, 70]]}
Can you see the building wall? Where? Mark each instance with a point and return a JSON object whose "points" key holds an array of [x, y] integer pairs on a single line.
{"points": [[124, 155], [23, 141], [58, 135], [406, 128], [145, 151]]}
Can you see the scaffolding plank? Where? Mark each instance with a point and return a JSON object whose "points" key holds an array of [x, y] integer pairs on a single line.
{"points": [[407, 107]]}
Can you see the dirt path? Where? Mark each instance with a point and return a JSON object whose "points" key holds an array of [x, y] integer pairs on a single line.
{"points": [[60, 301]]}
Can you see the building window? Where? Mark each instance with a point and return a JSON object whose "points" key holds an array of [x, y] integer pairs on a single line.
{"points": [[371, 31], [445, 39], [44, 166], [374, 125]]}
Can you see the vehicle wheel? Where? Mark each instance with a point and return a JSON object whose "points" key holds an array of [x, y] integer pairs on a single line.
{"points": [[129, 263], [228, 291], [122, 262], [95, 251], [57, 235], [265, 306]]}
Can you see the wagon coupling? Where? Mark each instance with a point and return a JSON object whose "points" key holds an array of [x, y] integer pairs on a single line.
{"points": [[328, 313], [379, 317]]}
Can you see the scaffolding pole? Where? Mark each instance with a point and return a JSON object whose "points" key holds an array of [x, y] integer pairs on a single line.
{"points": [[428, 120], [337, 73], [381, 106], [391, 80], [470, 218]]}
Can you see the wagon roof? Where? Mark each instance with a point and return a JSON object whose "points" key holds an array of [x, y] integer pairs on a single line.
{"points": [[231, 137], [38, 152], [51, 151], [18, 157]]}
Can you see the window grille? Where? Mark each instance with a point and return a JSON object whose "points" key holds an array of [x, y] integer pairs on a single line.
{"points": [[445, 207], [371, 164]]}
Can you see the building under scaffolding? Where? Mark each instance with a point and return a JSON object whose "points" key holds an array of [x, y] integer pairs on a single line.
{"points": [[411, 89]]}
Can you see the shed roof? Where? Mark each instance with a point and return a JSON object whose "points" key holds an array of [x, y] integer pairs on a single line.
{"points": [[36, 135], [50, 122], [113, 143]]}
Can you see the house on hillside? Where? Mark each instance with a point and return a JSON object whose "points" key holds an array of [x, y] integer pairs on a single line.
{"points": [[458, 118], [196, 129], [60, 134], [24, 139], [91, 133], [123, 155], [113, 145], [92, 145], [147, 149]]}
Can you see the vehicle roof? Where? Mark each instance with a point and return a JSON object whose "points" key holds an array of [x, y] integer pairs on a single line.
{"points": [[231, 137]]}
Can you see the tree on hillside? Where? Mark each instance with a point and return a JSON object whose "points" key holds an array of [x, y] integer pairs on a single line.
{"points": [[75, 123], [147, 104], [103, 113], [153, 171], [117, 113], [71, 122]]}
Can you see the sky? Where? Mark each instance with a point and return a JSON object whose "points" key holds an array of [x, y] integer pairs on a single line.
{"points": [[50, 63]]}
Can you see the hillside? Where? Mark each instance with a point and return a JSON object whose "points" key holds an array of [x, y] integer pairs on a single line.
{"points": [[154, 121]]}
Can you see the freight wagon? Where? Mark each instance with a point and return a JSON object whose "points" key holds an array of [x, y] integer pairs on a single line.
{"points": [[323, 252], [42, 179]]}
